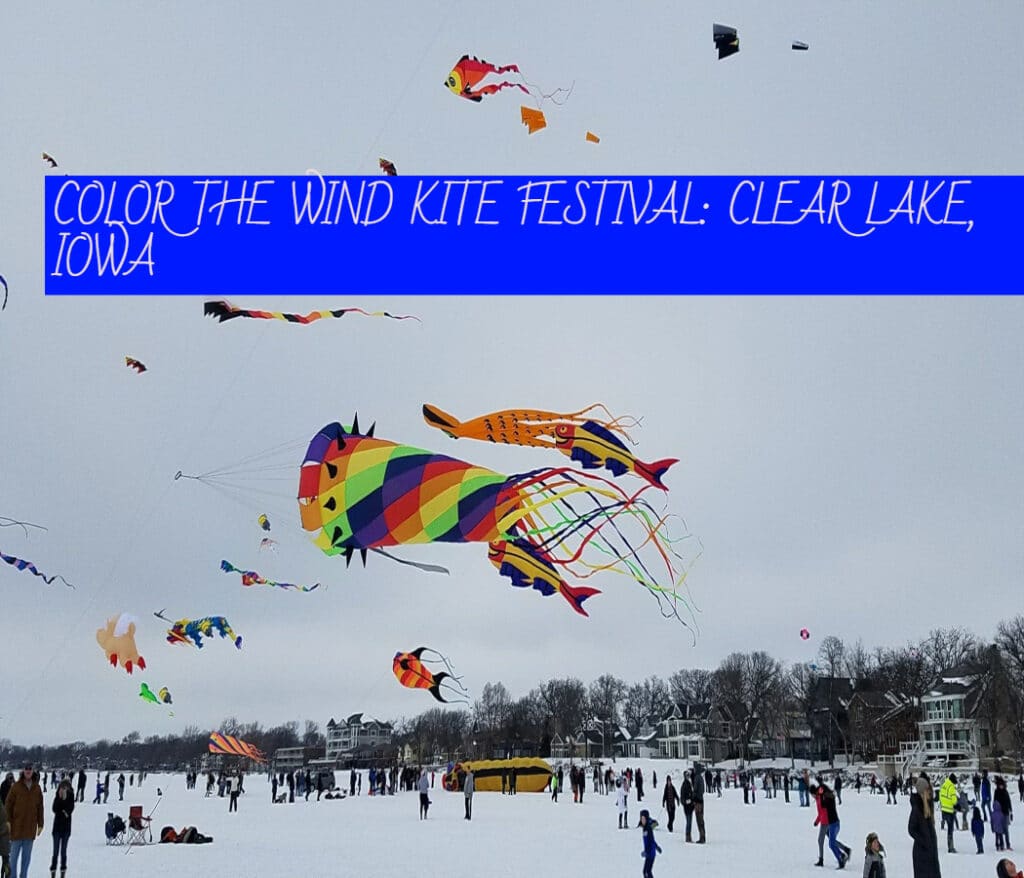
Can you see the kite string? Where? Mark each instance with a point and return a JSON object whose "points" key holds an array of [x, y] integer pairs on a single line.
{"points": [[139, 521]]}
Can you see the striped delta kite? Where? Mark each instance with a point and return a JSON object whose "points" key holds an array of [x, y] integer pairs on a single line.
{"points": [[226, 745]]}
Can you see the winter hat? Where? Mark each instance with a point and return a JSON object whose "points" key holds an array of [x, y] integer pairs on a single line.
{"points": [[644, 814]]}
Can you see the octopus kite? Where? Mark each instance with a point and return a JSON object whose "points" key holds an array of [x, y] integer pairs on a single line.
{"points": [[118, 642], [412, 672], [542, 527], [468, 73], [250, 577], [590, 443], [226, 311], [19, 564], [192, 631]]}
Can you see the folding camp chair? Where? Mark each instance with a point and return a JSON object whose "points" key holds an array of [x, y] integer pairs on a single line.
{"points": [[138, 827]]}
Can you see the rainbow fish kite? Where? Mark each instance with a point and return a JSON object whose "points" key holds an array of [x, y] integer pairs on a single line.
{"points": [[542, 528], [19, 564], [226, 311], [250, 577], [226, 745], [591, 443]]}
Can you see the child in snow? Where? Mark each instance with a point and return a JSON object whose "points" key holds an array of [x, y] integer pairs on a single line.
{"points": [[622, 802], [978, 829], [651, 847], [874, 857]]}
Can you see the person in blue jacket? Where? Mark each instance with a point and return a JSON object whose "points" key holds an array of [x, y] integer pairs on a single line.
{"points": [[651, 847]]}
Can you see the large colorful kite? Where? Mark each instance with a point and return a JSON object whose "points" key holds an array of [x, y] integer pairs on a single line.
{"points": [[226, 311], [468, 73], [192, 631], [250, 577], [20, 564], [590, 442], [542, 527], [118, 641], [226, 745], [410, 669]]}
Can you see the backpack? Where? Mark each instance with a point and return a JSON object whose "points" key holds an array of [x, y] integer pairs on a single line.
{"points": [[168, 835]]}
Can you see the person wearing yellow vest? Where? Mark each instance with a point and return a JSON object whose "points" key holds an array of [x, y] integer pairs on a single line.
{"points": [[948, 796]]}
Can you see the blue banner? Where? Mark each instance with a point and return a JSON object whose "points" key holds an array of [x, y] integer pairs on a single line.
{"points": [[226, 236]]}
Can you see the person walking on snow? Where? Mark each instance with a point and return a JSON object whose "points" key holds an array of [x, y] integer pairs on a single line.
{"points": [[947, 802], [874, 857], [424, 788], [921, 828], [978, 830], [669, 800], [622, 803]]}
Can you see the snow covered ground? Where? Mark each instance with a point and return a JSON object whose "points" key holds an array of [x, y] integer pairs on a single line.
{"points": [[525, 835]]}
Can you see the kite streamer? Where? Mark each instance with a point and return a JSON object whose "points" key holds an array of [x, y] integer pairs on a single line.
{"points": [[541, 527], [4, 282], [226, 311], [19, 564], [226, 745], [250, 577]]}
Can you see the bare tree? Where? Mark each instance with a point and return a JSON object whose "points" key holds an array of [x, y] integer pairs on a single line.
{"points": [[565, 701], [692, 686], [605, 697], [858, 662], [946, 648], [750, 679], [1010, 640]]}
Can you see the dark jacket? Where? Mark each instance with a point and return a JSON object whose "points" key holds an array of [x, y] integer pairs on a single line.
{"points": [[62, 809], [686, 794], [669, 798], [1002, 796], [828, 802], [926, 845], [5, 833]]}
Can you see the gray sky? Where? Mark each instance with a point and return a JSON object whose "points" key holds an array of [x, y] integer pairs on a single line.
{"points": [[850, 465]]}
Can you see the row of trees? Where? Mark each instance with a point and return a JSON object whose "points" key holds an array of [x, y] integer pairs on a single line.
{"points": [[767, 694]]}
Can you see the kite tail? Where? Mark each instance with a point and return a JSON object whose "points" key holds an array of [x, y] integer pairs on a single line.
{"points": [[536, 90], [238, 642], [435, 690]]}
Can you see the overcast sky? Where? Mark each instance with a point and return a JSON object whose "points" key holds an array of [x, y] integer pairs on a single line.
{"points": [[851, 465]]}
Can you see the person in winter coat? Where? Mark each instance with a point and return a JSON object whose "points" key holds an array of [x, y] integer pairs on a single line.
{"points": [[622, 803], [986, 796], [669, 800], [686, 797], [5, 841], [651, 847], [468, 785], [24, 806], [1007, 869], [874, 857], [947, 802], [839, 850], [120, 787], [921, 828], [698, 800], [639, 785], [63, 805], [234, 788], [978, 830], [1002, 797], [424, 788], [820, 820], [998, 823]]}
